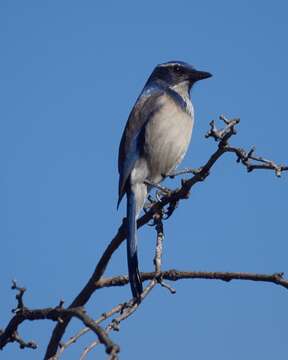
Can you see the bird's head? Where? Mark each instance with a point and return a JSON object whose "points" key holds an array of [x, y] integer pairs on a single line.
{"points": [[174, 73]]}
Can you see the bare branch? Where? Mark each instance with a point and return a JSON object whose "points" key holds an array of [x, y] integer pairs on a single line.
{"points": [[22, 313], [15, 337], [174, 275]]}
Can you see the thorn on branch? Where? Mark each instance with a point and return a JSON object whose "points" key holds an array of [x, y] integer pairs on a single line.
{"points": [[250, 153], [19, 296], [60, 305], [167, 286]]}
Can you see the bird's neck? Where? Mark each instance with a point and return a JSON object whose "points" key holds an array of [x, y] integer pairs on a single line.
{"points": [[182, 89], [179, 92]]}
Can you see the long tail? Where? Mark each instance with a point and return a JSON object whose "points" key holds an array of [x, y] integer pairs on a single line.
{"points": [[134, 275]]}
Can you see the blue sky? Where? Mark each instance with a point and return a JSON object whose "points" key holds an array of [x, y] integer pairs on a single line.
{"points": [[70, 72]]}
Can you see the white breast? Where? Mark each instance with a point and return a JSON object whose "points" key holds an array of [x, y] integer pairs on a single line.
{"points": [[167, 138]]}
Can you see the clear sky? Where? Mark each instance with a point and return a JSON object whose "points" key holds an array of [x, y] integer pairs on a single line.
{"points": [[70, 72]]}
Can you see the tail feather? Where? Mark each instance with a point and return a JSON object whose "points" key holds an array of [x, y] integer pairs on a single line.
{"points": [[134, 275]]}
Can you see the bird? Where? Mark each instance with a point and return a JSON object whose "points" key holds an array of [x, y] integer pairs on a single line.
{"points": [[155, 140]]}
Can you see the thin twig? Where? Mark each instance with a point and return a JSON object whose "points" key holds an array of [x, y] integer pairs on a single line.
{"points": [[83, 331]]}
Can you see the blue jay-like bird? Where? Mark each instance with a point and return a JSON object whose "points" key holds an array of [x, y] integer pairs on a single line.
{"points": [[154, 142]]}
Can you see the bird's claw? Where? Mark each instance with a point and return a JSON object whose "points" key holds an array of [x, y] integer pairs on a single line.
{"points": [[149, 203], [170, 209]]}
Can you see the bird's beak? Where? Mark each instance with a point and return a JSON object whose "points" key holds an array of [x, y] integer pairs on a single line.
{"points": [[199, 75]]}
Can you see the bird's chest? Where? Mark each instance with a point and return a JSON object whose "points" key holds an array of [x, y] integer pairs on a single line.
{"points": [[167, 136]]}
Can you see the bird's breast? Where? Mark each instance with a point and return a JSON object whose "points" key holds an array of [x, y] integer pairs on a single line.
{"points": [[167, 137]]}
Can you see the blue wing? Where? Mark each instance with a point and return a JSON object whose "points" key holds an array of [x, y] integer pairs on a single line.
{"points": [[131, 143]]}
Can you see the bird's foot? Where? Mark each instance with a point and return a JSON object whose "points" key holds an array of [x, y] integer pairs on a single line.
{"points": [[149, 203]]}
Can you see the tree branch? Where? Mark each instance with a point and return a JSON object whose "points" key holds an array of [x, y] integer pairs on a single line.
{"points": [[22, 313], [164, 207], [222, 137], [174, 275]]}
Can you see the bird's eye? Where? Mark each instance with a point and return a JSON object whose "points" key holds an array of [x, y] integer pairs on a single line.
{"points": [[177, 68]]}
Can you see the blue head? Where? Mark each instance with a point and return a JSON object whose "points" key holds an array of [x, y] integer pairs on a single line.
{"points": [[176, 72]]}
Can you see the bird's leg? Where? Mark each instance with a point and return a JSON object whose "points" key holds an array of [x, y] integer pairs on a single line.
{"points": [[162, 189], [182, 172], [151, 201]]}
